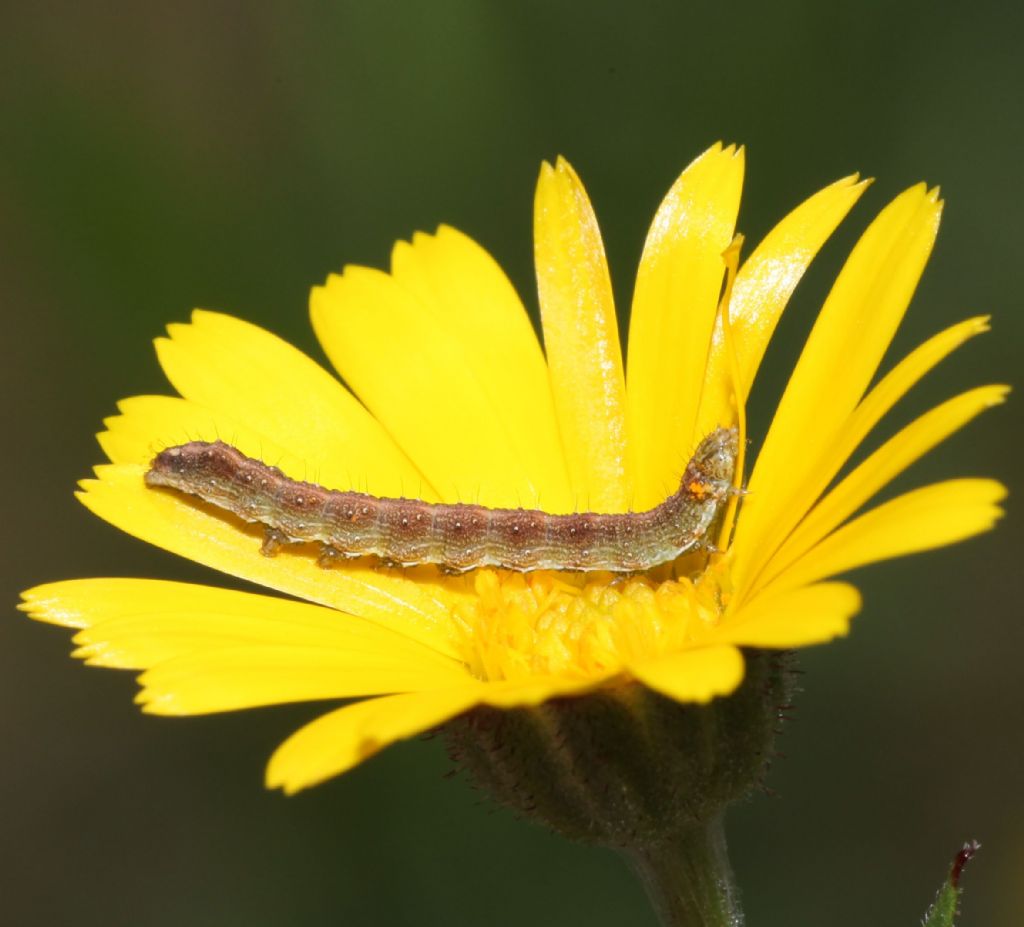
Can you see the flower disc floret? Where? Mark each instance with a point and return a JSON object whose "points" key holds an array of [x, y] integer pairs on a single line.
{"points": [[548, 624]]}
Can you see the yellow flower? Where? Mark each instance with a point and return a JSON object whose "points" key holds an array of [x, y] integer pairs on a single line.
{"points": [[458, 402]]}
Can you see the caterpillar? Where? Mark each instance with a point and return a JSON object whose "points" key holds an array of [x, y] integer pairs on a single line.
{"points": [[460, 537]]}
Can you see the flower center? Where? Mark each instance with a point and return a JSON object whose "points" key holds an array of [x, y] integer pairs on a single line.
{"points": [[521, 625]]}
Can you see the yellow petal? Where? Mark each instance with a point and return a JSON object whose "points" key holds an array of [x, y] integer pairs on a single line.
{"points": [[259, 674], [885, 394], [696, 675], [337, 741], [263, 384], [136, 623], [852, 332], [881, 398], [925, 518], [904, 376], [469, 297], [79, 603], [581, 338], [673, 315], [793, 618], [147, 424], [883, 466], [443, 354], [414, 603], [762, 289]]}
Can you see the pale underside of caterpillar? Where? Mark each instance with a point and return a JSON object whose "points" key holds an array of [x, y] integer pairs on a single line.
{"points": [[459, 537]]}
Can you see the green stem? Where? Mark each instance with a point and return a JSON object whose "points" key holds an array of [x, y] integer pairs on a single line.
{"points": [[689, 880]]}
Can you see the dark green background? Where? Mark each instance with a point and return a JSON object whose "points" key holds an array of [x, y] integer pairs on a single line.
{"points": [[155, 157]]}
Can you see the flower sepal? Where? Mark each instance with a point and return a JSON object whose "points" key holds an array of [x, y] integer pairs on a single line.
{"points": [[624, 766]]}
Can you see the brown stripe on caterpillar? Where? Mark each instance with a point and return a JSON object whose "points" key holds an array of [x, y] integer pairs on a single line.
{"points": [[410, 532]]}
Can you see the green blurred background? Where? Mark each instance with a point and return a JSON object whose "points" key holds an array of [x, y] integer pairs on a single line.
{"points": [[156, 157]]}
